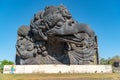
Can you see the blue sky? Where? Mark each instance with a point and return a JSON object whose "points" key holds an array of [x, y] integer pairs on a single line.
{"points": [[103, 16]]}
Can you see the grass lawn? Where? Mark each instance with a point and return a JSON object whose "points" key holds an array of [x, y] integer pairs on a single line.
{"points": [[111, 76]]}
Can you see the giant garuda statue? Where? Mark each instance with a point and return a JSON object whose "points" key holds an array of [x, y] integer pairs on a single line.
{"points": [[54, 37]]}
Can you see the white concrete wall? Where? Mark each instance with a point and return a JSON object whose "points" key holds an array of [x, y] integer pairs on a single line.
{"points": [[20, 69]]}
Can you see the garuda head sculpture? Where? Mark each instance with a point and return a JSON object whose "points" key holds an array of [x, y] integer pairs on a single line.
{"points": [[59, 39]]}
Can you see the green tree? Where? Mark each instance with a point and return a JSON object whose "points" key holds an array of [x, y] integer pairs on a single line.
{"points": [[109, 61], [103, 61], [113, 59], [5, 62], [116, 57]]}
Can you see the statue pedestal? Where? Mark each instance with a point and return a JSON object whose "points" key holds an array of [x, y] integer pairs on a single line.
{"points": [[29, 69]]}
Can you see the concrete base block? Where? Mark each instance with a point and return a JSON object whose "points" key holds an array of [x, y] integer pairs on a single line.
{"points": [[27, 69]]}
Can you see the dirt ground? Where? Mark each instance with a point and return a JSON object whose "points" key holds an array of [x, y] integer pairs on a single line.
{"points": [[111, 76]]}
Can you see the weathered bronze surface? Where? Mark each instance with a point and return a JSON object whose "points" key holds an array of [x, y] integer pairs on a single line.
{"points": [[54, 37]]}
